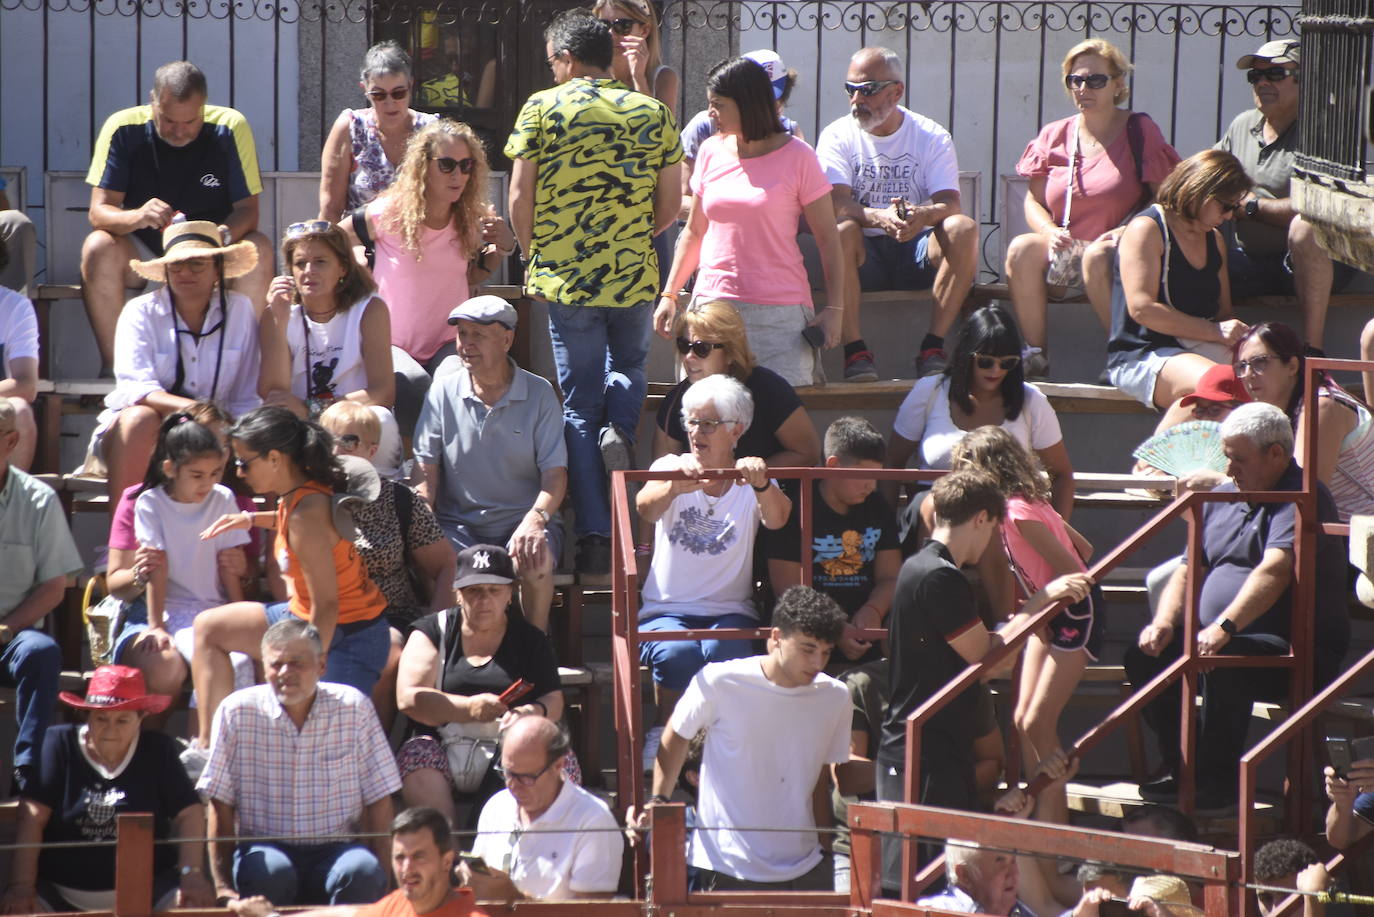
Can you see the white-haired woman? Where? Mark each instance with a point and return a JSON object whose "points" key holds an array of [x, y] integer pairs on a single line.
{"points": [[704, 532], [189, 340]]}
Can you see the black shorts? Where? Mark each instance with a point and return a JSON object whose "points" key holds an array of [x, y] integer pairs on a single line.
{"points": [[1080, 626]]}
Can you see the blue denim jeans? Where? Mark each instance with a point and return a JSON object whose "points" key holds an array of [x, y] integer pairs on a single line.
{"points": [[674, 662], [358, 653], [286, 874], [31, 664], [600, 353]]}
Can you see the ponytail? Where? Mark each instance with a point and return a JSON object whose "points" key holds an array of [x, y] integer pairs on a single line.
{"points": [[304, 442], [179, 439]]}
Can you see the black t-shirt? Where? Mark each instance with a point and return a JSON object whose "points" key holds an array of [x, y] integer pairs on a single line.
{"points": [[525, 652], [774, 402], [85, 805], [843, 548], [933, 605]]}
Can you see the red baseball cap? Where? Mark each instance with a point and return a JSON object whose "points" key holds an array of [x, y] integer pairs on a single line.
{"points": [[1218, 384]]}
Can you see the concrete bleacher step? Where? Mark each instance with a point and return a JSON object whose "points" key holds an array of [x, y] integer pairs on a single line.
{"points": [[1115, 798]]}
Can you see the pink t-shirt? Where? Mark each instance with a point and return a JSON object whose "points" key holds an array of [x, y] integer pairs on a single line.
{"points": [[1032, 564], [1105, 188], [419, 292], [752, 207], [122, 537]]}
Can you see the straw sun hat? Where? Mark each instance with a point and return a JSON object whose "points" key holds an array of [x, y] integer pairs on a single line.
{"points": [[197, 239]]}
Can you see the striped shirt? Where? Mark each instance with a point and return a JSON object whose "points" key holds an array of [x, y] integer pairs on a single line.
{"points": [[311, 782]]}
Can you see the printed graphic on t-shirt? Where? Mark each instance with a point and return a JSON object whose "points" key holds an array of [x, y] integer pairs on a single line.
{"points": [[97, 823], [702, 533], [876, 182], [842, 559]]}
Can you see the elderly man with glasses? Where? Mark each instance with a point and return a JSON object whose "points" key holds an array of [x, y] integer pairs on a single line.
{"points": [[542, 837], [1276, 249], [895, 187]]}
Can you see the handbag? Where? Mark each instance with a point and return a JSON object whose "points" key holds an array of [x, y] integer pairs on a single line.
{"points": [[471, 747], [1066, 264]]}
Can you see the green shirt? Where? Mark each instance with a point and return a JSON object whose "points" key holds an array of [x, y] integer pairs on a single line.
{"points": [[599, 147], [1270, 167], [35, 543]]}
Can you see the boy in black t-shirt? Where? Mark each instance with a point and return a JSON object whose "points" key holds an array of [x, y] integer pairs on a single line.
{"points": [[935, 633], [854, 550]]}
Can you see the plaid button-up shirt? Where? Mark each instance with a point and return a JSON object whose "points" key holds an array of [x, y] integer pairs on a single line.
{"points": [[311, 782]]}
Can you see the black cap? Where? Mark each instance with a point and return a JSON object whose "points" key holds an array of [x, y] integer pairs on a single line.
{"points": [[484, 563]]}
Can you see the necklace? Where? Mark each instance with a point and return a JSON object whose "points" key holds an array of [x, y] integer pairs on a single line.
{"points": [[712, 502]]}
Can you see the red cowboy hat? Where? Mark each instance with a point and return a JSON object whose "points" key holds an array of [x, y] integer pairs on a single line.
{"points": [[117, 687]]}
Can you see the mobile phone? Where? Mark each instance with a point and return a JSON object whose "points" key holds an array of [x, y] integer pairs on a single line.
{"points": [[1362, 749], [814, 335], [903, 209], [1116, 907], [1339, 750], [516, 691], [475, 863]]}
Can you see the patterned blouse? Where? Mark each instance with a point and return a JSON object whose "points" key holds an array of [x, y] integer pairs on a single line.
{"points": [[372, 173], [382, 549]]}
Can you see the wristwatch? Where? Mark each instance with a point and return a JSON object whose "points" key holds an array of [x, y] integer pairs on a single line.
{"points": [[543, 513], [1227, 625], [1252, 208]]}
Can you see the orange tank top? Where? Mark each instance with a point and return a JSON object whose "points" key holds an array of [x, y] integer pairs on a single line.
{"points": [[359, 597]]}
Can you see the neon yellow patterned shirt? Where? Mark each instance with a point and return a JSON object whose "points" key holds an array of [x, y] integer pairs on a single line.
{"points": [[599, 147]]}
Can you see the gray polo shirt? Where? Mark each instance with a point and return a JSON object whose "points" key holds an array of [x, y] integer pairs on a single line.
{"points": [[35, 543], [490, 459], [1270, 167]]}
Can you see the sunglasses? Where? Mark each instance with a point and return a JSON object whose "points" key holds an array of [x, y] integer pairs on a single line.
{"points": [[1006, 364], [699, 349], [242, 463], [1254, 365], [380, 95], [447, 164], [871, 87], [308, 228], [622, 26], [1272, 74], [1229, 208], [190, 266], [1092, 80]]}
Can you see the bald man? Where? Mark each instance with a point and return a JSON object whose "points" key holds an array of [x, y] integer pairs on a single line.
{"points": [[542, 837]]}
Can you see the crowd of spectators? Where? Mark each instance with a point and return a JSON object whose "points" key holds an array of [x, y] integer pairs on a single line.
{"points": [[415, 478]]}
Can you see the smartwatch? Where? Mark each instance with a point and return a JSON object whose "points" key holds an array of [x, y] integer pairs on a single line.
{"points": [[1252, 208], [1227, 625]]}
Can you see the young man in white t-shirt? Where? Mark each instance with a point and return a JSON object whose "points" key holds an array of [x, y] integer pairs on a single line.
{"points": [[773, 723], [895, 182]]}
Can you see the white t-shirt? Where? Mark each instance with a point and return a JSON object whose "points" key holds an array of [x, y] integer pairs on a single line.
{"points": [[336, 351], [544, 863], [703, 552], [18, 329], [913, 162], [192, 565], [924, 418], [765, 747]]}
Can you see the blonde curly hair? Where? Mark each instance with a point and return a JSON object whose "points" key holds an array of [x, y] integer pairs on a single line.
{"points": [[994, 451], [404, 201]]}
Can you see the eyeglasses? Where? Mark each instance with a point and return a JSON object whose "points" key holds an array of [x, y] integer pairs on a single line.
{"points": [[699, 349], [706, 426], [526, 780], [622, 26], [552, 57], [190, 266], [1274, 74], [447, 164], [242, 463], [1092, 80], [1006, 364], [380, 95], [1209, 410], [866, 89], [308, 228], [1254, 365]]}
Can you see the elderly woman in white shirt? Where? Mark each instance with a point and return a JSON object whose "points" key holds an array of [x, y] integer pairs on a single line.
{"points": [[188, 340]]}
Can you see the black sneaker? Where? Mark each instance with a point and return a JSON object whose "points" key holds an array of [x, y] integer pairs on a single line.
{"points": [[594, 555], [616, 452], [1162, 790]]}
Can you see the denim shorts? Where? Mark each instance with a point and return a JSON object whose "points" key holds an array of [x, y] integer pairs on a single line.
{"points": [[892, 265], [1137, 376], [358, 652]]}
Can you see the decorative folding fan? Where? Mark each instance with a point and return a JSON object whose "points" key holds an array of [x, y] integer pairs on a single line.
{"points": [[1184, 448]]}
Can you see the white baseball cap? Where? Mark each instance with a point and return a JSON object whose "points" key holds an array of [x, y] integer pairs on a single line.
{"points": [[769, 60]]}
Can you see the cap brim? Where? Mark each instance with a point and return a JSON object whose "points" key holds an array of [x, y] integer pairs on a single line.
{"points": [[148, 703], [482, 579]]}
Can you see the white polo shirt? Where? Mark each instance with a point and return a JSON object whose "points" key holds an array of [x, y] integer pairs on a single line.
{"points": [[543, 861]]}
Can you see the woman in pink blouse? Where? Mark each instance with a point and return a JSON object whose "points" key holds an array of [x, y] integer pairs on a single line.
{"points": [[1088, 174], [751, 184]]}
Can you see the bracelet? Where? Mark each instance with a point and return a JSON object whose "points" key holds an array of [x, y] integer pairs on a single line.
{"points": [[835, 308], [542, 706], [140, 578], [643, 549], [759, 490], [668, 294]]}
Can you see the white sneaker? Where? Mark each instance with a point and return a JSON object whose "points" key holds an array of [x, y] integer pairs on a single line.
{"points": [[651, 742], [194, 758]]}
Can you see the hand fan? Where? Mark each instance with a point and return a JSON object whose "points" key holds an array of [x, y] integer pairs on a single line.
{"points": [[1183, 448]]}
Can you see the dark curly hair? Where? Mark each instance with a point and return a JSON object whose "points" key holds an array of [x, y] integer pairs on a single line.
{"points": [[803, 610], [1281, 857]]}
